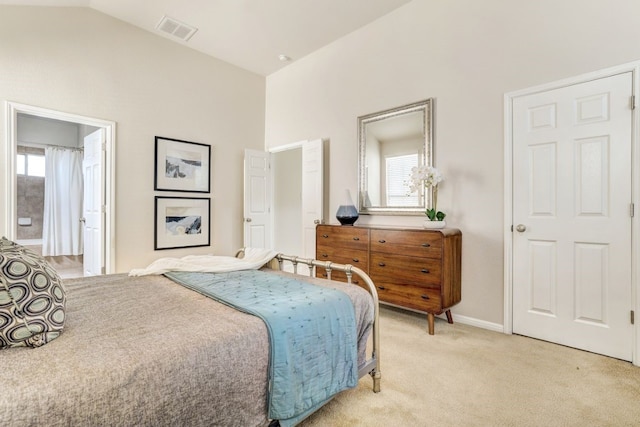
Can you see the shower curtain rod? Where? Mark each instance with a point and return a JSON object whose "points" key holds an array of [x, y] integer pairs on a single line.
{"points": [[38, 145]]}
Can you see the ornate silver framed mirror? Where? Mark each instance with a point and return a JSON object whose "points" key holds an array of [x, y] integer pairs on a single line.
{"points": [[391, 142]]}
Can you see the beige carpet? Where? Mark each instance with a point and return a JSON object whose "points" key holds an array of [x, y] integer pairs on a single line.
{"points": [[466, 376]]}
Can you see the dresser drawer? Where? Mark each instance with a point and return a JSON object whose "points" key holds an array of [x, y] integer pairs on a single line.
{"points": [[414, 297], [357, 258], [417, 243], [342, 237], [401, 269], [340, 277]]}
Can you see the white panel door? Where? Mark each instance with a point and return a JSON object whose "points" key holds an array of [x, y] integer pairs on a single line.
{"points": [[571, 214], [93, 202], [257, 200]]}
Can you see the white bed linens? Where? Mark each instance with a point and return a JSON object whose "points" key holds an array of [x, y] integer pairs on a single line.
{"points": [[254, 258]]}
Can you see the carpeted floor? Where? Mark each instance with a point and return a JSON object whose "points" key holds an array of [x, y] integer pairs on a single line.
{"points": [[466, 376]]}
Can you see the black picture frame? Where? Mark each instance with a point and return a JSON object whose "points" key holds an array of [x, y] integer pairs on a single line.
{"points": [[182, 222], [182, 166]]}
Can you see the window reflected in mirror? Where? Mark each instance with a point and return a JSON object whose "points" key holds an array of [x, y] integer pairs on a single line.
{"points": [[391, 143]]}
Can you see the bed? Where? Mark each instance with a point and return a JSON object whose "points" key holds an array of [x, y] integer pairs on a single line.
{"points": [[147, 351]]}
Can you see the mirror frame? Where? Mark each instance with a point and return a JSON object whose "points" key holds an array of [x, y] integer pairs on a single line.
{"points": [[426, 107]]}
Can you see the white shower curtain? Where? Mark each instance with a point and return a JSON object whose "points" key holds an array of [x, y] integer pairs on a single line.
{"points": [[62, 231]]}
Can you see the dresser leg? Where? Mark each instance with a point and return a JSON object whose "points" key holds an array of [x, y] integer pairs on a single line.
{"points": [[431, 318], [449, 316]]}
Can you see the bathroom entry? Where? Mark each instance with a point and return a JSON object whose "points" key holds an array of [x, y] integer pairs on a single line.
{"points": [[49, 189], [67, 138]]}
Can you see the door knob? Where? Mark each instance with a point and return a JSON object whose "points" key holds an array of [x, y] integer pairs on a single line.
{"points": [[248, 219], [83, 220], [316, 221], [521, 228]]}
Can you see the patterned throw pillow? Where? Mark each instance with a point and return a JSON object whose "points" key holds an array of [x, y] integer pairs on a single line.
{"points": [[32, 299]]}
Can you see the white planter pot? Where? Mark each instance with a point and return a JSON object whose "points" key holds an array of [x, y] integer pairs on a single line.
{"points": [[434, 224]]}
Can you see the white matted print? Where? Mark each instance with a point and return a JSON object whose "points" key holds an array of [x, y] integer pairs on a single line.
{"points": [[182, 166], [182, 222]]}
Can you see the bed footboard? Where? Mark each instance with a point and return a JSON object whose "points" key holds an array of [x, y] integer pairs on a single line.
{"points": [[372, 365]]}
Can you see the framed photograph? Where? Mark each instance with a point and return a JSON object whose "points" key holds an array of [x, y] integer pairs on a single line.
{"points": [[182, 166], [182, 222]]}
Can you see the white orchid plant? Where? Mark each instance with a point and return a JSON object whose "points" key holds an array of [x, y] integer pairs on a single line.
{"points": [[428, 177]]}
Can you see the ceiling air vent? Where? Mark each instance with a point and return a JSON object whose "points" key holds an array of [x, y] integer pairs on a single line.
{"points": [[176, 28]]}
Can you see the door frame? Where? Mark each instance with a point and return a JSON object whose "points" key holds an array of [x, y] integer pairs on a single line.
{"points": [[634, 68], [11, 120]]}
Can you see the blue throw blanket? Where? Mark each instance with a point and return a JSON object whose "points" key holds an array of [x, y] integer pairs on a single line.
{"points": [[312, 331]]}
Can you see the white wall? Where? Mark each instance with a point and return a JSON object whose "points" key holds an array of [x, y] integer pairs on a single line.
{"points": [[80, 61], [287, 200], [467, 54], [37, 130]]}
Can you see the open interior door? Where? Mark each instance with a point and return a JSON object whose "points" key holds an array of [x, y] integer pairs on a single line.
{"points": [[257, 200], [93, 168]]}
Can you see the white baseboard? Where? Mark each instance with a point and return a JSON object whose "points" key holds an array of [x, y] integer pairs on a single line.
{"points": [[496, 327], [458, 318]]}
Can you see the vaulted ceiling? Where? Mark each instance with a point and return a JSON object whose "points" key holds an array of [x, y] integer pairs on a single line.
{"points": [[250, 34]]}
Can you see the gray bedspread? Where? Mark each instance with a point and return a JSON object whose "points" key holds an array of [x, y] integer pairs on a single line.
{"points": [[145, 351]]}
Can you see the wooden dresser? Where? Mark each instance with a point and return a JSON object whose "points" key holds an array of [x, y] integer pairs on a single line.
{"points": [[412, 268]]}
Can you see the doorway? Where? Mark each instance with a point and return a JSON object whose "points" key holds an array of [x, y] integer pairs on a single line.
{"points": [[49, 205], [284, 197], [31, 131], [569, 207], [287, 200]]}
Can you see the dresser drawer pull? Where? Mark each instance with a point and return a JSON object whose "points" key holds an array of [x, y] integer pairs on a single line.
{"points": [[382, 241], [381, 264], [355, 260], [382, 288], [426, 245], [326, 236], [425, 271], [424, 296], [325, 256], [356, 238]]}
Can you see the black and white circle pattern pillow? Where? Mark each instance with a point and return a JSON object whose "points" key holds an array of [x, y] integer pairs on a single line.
{"points": [[32, 299]]}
